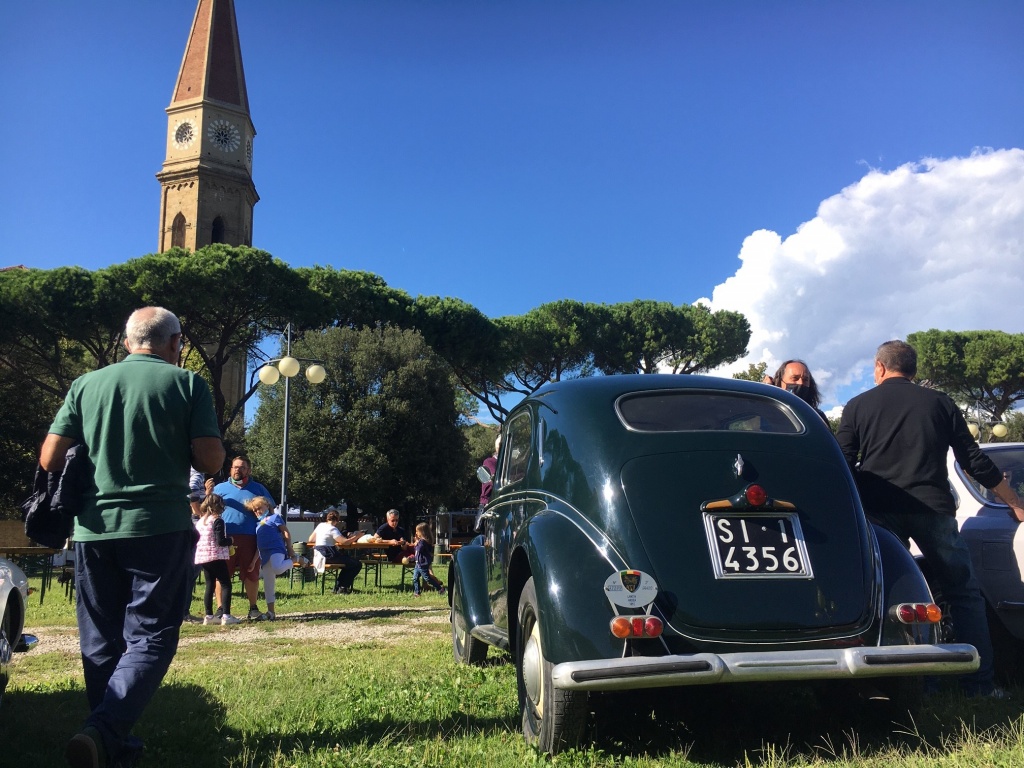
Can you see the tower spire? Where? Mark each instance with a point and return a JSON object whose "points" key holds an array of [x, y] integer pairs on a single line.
{"points": [[212, 66]]}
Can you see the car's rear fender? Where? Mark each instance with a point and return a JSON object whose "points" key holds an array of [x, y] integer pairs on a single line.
{"points": [[902, 582], [569, 561]]}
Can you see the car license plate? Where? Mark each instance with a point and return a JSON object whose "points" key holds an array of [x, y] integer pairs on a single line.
{"points": [[745, 546]]}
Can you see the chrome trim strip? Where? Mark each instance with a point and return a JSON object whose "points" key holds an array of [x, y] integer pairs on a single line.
{"points": [[710, 668]]}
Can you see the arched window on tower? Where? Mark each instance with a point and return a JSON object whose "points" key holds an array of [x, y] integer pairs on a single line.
{"points": [[217, 236], [178, 231]]}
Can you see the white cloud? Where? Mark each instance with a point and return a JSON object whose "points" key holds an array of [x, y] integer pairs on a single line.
{"points": [[935, 244]]}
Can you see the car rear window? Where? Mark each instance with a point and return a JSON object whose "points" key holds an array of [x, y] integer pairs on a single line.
{"points": [[699, 411]]}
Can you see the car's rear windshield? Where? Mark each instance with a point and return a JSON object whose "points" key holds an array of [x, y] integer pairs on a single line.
{"points": [[702, 411]]}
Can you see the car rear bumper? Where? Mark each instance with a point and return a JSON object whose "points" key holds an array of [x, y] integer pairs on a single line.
{"points": [[710, 668]]}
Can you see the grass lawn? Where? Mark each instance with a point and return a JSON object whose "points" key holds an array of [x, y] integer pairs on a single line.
{"points": [[368, 680]]}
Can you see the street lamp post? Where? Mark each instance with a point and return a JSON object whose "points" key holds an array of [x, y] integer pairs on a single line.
{"points": [[288, 367], [997, 429]]}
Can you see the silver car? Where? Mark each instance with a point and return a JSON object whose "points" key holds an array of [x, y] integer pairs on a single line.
{"points": [[996, 541], [13, 595]]}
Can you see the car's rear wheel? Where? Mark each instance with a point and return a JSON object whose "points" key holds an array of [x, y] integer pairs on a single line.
{"points": [[466, 648], [553, 719]]}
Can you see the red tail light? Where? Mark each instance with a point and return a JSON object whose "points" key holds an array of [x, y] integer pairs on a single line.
{"points": [[917, 613], [756, 495], [624, 627]]}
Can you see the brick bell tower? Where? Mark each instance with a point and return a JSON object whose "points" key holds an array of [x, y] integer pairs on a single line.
{"points": [[206, 190]]}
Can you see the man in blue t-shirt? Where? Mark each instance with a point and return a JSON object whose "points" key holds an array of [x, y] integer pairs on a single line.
{"points": [[240, 525]]}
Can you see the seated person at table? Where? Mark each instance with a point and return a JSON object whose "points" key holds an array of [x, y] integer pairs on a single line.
{"points": [[394, 534], [328, 541]]}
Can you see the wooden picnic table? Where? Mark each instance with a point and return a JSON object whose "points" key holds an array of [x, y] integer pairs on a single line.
{"points": [[369, 553]]}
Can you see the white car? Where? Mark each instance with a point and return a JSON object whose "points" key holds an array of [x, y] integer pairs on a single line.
{"points": [[13, 597], [996, 541]]}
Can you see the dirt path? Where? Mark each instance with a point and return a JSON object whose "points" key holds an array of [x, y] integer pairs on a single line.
{"points": [[337, 628]]}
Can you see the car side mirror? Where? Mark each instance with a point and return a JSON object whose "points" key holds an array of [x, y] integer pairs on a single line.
{"points": [[483, 475]]}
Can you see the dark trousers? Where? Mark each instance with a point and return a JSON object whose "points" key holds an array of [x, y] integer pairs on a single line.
{"points": [[949, 560], [217, 572], [347, 575], [129, 598]]}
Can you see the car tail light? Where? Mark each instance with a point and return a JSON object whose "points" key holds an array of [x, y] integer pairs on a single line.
{"points": [[755, 495], [625, 627], [917, 613]]}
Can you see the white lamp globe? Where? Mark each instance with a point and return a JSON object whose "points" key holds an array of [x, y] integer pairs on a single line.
{"points": [[973, 428], [269, 375], [316, 374], [289, 366], [999, 430]]}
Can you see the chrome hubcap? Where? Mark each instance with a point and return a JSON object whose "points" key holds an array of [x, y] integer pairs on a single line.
{"points": [[532, 664]]}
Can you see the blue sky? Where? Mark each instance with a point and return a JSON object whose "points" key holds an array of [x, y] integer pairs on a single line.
{"points": [[802, 162]]}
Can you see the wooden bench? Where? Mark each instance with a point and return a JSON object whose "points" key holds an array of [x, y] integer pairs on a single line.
{"points": [[368, 565]]}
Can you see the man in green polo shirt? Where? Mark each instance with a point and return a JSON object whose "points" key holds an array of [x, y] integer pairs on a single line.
{"points": [[143, 422]]}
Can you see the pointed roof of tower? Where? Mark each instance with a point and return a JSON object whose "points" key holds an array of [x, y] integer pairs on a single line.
{"points": [[212, 66]]}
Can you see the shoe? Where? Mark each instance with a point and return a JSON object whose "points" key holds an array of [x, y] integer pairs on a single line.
{"points": [[190, 619], [254, 614], [208, 620], [86, 749], [415, 594], [219, 613], [227, 618], [268, 616], [443, 591]]}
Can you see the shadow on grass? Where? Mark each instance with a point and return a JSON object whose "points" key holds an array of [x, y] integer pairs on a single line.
{"points": [[384, 731], [722, 726], [183, 725], [357, 614], [726, 725]]}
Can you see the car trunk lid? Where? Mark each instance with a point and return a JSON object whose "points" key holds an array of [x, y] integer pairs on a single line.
{"points": [[801, 563]]}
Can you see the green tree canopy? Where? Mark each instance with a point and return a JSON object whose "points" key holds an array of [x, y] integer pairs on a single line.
{"points": [[472, 344], [229, 298], [754, 372], [25, 416], [352, 298], [983, 368], [57, 324], [382, 429], [552, 342], [655, 336]]}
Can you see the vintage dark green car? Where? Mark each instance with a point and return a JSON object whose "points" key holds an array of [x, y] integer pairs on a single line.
{"points": [[658, 531]]}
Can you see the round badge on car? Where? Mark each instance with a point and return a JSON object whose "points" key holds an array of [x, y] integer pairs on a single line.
{"points": [[630, 589]]}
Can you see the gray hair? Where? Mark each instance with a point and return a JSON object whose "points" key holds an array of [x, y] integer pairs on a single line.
{"points": [[151, 327], [898, 357]]}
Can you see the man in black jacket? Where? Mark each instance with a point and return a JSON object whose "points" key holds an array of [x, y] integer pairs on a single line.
{"points": [[895, 437]]}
